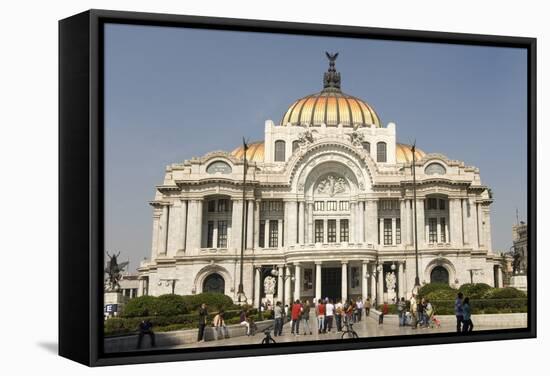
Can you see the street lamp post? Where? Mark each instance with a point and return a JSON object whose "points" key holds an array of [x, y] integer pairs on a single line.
{"points": [[240, 292], [416, 278]]}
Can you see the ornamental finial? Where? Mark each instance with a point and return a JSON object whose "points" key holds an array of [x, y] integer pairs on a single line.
{"points": [[331, 78]]}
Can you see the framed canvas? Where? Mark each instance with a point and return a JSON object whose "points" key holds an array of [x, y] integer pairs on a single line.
{"points": [[235, 188]]}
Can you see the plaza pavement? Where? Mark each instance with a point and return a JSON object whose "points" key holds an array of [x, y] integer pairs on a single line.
{"points": [[367, 327]]}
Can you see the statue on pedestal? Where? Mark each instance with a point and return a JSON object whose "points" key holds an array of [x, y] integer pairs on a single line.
{"points": [[114, 272], [390, 282], [269, 285]]}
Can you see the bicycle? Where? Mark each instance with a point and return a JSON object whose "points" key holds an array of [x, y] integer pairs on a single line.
{"points": [[268, 339], [349, 333]]}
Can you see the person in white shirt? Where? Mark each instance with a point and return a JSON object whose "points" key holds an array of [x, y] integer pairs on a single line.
{"points": [[359, 309], [338, 314], [329, 315]]}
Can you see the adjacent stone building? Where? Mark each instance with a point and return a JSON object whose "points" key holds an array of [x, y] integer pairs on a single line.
{"points": [[328, 205]]}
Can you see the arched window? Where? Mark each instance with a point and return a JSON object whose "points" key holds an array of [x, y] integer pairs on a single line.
{"points": [[214, 283], [439, 275], [295, 145], [435, 169], [280, 151], [381, 152]]}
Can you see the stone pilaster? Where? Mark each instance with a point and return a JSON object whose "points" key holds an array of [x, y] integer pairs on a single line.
{"points": [[310, 231], [250, 224], [318, 275], [371, 214], [364, 280], [301, 222], [257, 225], [236, 224], [183, 225]]}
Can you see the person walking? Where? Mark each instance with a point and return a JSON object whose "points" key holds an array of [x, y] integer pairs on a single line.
{"points": [[203, 316], [320, 312], [401, 306], [145, 328], [278, 316], [429, 313], [305, 318], [295, 316], [367, 306], [459, 313], [420, 312], [413, 308], [338, 314], [385, 310], [468, 325], [359, 305], [243, 317], [329, 315], [220, 329]]}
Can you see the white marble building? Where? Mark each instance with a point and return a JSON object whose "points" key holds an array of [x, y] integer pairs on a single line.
{"points": [[329, 203]]}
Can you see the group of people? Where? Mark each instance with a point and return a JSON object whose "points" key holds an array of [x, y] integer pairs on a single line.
{"points": [[218, 323], [463, 312], [421, 313], [330, 315]]}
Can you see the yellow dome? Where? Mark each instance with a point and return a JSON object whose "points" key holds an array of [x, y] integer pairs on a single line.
{"points": [[255, 153], [331, 106]]}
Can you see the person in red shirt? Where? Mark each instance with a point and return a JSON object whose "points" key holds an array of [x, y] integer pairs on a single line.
{"points": [[385, 310], [295, 316], [320, 310]]}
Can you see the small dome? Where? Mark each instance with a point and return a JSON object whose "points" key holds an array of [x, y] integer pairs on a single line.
{"points": [[331, 106], [403, 153], [255, 152]]}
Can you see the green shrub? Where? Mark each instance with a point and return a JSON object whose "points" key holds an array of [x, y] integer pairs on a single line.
{"points": [[505, 293], [171, 305], [442, 295], [141, 306], [214, 301], [446, 307], [474, 290], [431, 287]]}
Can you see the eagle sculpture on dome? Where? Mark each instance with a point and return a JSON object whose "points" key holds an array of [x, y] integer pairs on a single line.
{"points": [[331, 57]]}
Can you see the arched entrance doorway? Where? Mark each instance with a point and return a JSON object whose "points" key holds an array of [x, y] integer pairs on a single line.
{"points": [[214, 283], [439, 275]]}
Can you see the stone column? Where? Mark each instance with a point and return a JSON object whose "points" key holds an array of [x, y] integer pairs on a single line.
{"points": [[404, 224], [236, 224], [215, 234], [257, 281], [480, 229], [257, 225], [155, 236], [371, 213], [381, 231], [373, 281], [140, 289], [288, 283], [250, 224], [364, 280], [455, 222], [310, 233], [318, 271], [400, 280], [280, 284], [393, 231], [487, 227], [380, 292], [361, 222], [183, 225], [301, 223], [465, 223], [325, 230], [266, 234], [344, 280], [338, 231], [438, 229], [280, 233], [163, 239], [297, 281]]}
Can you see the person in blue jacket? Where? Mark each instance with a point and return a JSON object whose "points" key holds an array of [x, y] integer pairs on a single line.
{"points": [[467, 325]]}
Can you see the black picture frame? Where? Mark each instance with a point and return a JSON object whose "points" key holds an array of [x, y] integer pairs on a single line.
{"points": [[81, 167]]}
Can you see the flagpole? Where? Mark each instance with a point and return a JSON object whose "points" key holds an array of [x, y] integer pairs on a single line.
{"points": [[240, 292]]}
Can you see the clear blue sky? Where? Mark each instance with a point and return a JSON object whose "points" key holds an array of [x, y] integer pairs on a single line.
{"points": [[173, 93]]}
